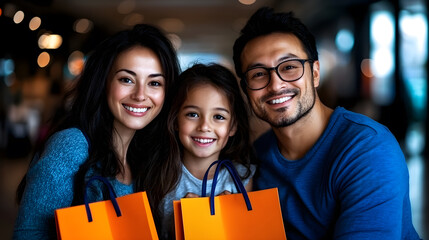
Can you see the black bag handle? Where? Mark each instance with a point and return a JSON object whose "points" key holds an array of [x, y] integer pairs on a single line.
{"points": [[111, 193], [233, 172]]}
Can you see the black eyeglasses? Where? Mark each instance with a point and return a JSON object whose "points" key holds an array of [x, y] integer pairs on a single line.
{"points": [[290, 70]]}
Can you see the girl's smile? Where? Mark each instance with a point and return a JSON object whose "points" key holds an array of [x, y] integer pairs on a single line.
{"points": [[203, 141]]}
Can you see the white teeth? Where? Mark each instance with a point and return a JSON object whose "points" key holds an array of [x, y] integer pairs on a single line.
{"points": [[280, 100], [203, 140], [136, 110]]}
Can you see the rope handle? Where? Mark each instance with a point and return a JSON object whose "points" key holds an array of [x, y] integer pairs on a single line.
{"points": [[238, 183], [111, 193]]}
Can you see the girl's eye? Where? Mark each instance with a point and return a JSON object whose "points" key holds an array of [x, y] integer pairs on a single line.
{"points": [[219, 117], [192, 115], [125, 80]]}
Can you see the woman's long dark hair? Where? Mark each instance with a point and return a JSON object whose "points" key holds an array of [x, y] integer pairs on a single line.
{"points": [[238, 148], [87, 108]]}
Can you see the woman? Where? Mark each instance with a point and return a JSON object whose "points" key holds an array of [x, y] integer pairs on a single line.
{"points": [[111, 128]]}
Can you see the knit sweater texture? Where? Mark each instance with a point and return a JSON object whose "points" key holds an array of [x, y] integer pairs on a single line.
{"points": [[50, 185]]}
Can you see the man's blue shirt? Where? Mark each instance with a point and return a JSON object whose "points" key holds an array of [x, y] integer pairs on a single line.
{"points": [[352, 184]]}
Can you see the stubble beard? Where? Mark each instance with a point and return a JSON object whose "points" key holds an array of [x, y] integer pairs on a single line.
{"points": [[284, 120]]}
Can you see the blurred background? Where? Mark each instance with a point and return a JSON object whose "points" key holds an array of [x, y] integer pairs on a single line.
{"points": [[373, 57]]}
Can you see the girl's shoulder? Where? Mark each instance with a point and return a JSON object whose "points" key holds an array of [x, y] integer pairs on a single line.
{"points": [[242, 169]]}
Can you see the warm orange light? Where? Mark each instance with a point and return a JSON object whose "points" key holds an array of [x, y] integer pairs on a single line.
{"points": [[43, 59], [35, 23], [365, 68], [75, 63]]}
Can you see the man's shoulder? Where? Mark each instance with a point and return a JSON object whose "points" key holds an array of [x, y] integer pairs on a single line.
{"points": [[361, 133], [357, 123]]}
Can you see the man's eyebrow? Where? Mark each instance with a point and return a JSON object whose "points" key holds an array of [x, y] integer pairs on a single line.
{"points": [[283, 58]]}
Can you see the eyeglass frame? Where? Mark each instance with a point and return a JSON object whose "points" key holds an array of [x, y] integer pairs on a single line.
{"points": [[276, 68]]}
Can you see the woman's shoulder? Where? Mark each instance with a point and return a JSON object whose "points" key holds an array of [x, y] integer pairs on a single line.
{"points": [[68, 135], [69, 132], [61, 157], [68, 141]]}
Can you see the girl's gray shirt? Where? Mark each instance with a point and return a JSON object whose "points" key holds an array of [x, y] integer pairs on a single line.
{"points": [[188, 183]]}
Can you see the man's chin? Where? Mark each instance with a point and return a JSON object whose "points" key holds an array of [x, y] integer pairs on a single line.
{"points": [[279, 122]]}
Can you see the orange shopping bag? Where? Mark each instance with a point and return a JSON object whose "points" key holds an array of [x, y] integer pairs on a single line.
{"points": [[258, 216], [126, 217]]}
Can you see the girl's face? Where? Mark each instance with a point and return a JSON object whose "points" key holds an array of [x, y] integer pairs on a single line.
{"points": [[135, 89], [204, 123]]}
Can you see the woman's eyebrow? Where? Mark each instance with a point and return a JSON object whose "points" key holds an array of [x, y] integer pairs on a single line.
{"points": [[153, 75], [126, 70]]}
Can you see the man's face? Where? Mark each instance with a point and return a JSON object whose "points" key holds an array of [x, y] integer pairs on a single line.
{"points": [[281, 103]]}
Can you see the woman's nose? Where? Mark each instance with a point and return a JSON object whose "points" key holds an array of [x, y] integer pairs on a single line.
{"points": [[139, 93]]}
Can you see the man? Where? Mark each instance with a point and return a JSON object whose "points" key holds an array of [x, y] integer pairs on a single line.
{"points": [[339, 174]]}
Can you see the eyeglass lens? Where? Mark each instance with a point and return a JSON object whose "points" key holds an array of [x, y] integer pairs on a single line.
{"points": [[290, 70]]}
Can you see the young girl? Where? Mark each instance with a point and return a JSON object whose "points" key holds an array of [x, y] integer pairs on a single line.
{"points": [[110, 129], [208, 121]]}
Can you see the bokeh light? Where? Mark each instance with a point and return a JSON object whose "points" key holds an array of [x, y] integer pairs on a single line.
{"points": [[344, 40], [247, 2], [43, 59], [50, 41], [35, 23], [83, 25], [75, 63], [18, 17]]}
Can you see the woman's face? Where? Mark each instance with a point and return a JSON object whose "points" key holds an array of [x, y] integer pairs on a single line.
{"points": [[135, 89]]}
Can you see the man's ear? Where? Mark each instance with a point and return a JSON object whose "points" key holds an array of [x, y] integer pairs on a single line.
{"points": [[316, 73]]}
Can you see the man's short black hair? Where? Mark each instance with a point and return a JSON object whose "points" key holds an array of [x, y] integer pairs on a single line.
{"points": [[263, 22]]}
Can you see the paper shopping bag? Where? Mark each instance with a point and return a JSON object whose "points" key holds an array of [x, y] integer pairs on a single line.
{"points": [[245, 215], [126, 217]]}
